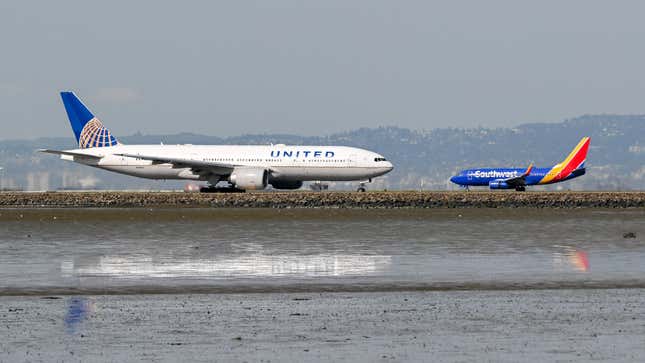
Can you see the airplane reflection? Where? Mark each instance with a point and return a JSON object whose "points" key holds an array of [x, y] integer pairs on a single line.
{"points": [[247, 266], [568, 257], [78, 310]]}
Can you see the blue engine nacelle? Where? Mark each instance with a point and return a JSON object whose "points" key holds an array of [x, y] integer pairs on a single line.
{"points": [[499, 184]]}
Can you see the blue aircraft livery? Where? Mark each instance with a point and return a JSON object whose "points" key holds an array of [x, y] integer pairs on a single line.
{"points": [[511, 178], [89, 131]]}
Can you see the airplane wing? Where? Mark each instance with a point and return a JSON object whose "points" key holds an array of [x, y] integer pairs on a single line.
{"points": [[519, 181], [197, 166], [70, 153]]}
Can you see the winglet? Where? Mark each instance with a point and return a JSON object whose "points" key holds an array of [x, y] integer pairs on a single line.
{"points": [[528, 171]]}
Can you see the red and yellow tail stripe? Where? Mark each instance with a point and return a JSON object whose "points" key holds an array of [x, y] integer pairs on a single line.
{"points": [[571, 163]]}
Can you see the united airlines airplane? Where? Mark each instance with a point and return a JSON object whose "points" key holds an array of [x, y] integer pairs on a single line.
{"points": [[245, 167], [504, 178]]}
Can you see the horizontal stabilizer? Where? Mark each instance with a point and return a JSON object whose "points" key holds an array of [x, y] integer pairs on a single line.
{"points": [[69, 153]]}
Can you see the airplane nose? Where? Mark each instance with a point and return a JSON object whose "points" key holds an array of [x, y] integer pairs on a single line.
{"points": [[454, 179], [389, 166]]}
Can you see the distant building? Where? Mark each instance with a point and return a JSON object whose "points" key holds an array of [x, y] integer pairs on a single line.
{"points": [[7, 183], [38, 181], [78, 180]]}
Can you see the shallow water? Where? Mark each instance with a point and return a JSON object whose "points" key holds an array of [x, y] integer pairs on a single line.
{"points": [[580, 255], [111, 249]]}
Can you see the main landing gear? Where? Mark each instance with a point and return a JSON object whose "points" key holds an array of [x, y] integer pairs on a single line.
{"points": [[520, 189], [318, 186], [215, 189], [361, 186]]}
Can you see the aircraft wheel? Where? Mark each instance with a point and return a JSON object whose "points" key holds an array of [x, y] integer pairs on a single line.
{"points": [[361, 189], [520, 189], [221, 190]]}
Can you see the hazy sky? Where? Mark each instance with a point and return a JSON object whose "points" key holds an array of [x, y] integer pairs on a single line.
{"points": [[316, 67]]}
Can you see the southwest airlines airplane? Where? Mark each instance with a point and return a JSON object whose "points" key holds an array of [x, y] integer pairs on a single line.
{"points": [[573, 166], [243, 166]]}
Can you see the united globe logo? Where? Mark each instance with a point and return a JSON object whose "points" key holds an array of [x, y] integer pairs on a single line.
{"points": [[94, 134]]}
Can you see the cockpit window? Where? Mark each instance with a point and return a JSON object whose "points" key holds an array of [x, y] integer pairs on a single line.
{"points": [[379, 159]]}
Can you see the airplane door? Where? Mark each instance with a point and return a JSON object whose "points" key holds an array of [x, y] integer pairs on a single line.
{"points": [[353, 158], [303, 169]]}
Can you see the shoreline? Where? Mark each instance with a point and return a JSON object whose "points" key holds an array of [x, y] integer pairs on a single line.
{"points": [[318, 288], [331, 200]]}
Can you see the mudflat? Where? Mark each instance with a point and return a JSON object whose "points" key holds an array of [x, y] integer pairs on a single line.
{"points": [[545, 325]]}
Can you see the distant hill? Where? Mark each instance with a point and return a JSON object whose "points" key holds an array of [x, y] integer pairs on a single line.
{"points": [[422, 159]]}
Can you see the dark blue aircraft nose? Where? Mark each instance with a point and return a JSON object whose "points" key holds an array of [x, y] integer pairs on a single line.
{"points": [[455, 179]]}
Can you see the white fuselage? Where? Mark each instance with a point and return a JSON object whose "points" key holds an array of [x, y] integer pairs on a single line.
{"points": [[282, 162]]}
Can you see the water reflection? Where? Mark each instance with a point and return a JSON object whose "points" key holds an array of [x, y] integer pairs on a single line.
{"points": [[570, 258], [78, 310], [246, 266]]}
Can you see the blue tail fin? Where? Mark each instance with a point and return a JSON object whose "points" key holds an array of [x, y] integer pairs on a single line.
{"points": [[89, 131]]}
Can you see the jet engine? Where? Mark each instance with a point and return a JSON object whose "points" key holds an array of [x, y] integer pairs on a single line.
{"points": [[286, 184], [499, 184], [249, 178]]}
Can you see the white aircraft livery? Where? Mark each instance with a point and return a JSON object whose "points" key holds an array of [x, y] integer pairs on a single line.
{"points": [[245, 167]]}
